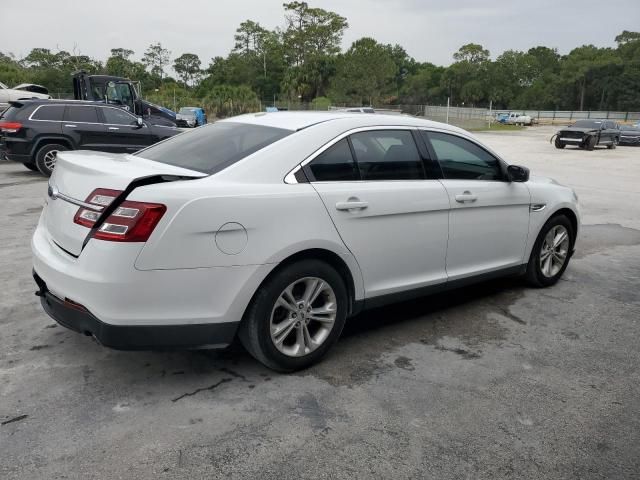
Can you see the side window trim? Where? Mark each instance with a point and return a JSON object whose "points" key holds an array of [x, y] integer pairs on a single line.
{"points": [[290, 177], [427, 139], [431, 165]]}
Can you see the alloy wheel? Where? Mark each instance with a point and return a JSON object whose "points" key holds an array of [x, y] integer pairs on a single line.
{"points": [[303, 316], [554, 251], [50, 159]]}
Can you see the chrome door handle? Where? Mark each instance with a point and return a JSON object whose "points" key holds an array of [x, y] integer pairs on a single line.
{"points": [[114, 128], [352, 205], [72, 126], [466, 196]]}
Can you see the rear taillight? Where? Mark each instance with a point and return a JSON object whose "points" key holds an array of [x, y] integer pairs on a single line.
{"points": [[129, 222], [10, 127]]}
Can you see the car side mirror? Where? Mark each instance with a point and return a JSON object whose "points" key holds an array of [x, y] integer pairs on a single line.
{"points": [[517, 173], [139, 122]]}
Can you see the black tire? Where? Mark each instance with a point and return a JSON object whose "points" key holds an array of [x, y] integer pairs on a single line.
{"points": [[558, 143], [254, 332], [534, 275], [31, 166], [590, 144], [43, 162]]}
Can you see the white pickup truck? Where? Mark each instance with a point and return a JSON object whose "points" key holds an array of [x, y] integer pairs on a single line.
{"points": [[519, 119], [20, 92]]}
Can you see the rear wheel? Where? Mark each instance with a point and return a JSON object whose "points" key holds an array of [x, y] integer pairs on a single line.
{"points": [[46, 158], [558, 143], [551, 252], [296, 316]]}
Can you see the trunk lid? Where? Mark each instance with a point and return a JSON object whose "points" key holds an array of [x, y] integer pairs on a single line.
{"points": [[77, 174]]}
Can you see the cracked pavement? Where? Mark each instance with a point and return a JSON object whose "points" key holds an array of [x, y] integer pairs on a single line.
{"points": [[492, 381]]}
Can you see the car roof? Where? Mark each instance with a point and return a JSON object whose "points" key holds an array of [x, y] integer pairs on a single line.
{"points": [[295, 121], [45, 101]]}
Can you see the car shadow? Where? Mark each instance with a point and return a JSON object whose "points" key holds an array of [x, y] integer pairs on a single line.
{"points": [[177, 375]]}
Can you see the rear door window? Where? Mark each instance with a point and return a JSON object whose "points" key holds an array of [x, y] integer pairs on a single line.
{"points": [[387, 155], [214, 147], [335, 164], [52, 113], [81, 114]]}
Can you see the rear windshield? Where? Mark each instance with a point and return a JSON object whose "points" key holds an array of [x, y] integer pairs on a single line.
{"points": [[8, 113], [214, 147]]}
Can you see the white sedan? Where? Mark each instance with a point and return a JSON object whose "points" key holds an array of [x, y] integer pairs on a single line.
{"points": [[276, 227], [23, 91]]}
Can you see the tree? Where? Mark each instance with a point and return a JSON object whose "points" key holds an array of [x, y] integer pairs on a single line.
{"points": [[187, 66], [472, 53], [156, 58], [311, 40], [364, 73]]}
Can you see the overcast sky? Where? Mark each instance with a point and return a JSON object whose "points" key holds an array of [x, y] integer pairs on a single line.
{"points": [[430, 30]]}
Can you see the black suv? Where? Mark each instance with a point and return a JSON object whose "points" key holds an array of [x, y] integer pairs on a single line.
{"points": [[589, 133], [33, 131]]}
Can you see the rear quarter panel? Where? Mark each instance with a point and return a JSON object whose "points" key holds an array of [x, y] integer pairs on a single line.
{"points": [[262, 224]]}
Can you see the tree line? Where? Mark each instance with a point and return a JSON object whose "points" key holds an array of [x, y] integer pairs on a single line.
{"points": [[302, 62]]}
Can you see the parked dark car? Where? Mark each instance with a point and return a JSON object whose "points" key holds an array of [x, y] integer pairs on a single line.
{"points": [[191, 117], [629, 135], [33, 131], [589, 133]]}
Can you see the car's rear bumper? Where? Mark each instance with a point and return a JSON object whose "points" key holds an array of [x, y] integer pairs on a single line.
{"points": [[205, 304], [133, 337]]}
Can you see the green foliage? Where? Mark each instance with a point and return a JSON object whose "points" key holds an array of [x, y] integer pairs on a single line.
{"points": [[321, 103], [364, 73], [228, 100], [156, 59], [187, 66], [302, 62]]}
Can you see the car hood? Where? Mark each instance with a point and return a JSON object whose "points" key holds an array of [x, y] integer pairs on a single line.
{"points": [[578, 129]]}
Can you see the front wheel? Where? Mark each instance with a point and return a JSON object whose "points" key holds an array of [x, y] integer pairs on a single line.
{"points": [[558, 143], [296, 316], [551, 252], [591, 143]]}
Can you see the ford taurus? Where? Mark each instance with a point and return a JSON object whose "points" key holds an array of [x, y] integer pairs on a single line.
{"points": [[276, 227]]}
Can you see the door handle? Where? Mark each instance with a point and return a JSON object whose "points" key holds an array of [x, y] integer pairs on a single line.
{"points": [[352, 205], [466, 196], [72, 126], [114, 128]]}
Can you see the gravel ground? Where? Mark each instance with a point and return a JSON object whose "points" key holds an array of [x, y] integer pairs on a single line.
{"points": [[492, 381]]}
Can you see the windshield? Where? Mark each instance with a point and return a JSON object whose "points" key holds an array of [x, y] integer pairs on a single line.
{"points": [[2, 85], [587, 124], [187, 111], [214, 147]]}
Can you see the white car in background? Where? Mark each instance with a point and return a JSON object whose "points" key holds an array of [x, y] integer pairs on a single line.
{"points": [[23, 91], [279, 226]]}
